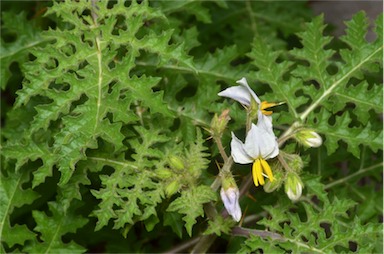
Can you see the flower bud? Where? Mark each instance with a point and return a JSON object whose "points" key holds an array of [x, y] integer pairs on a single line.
{"points": [[295, 162], [172, 188], [175, 162], [218, 124], [271, 186], [293, 186], [163, 173], [230, 198], [309, 138]]}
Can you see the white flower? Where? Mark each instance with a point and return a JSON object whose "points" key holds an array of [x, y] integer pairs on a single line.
{"points": [[260, 145], [244, 94], [230, 199], [293, 186]]}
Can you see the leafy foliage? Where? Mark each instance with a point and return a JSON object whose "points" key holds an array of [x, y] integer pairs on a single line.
{"points": [[190, 203], [15, 47], [106, 141], [14, 195], [319, 231], [324, 77], [130, 192], [52, 228]]}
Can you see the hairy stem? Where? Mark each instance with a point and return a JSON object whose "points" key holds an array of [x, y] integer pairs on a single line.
{"points": [[221, 149]]}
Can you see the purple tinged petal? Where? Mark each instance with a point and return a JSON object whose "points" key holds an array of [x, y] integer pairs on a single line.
{"points": [[230, 198]]}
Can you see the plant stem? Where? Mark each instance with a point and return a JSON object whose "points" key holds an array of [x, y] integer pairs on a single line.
{"points": [[181, 247], [204, 243], [226, 167], [221, 148], [360, 172], [246, 232]]}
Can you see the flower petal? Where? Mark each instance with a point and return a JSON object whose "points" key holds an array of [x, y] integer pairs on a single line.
{"points": [[251, 144], [237, 93], [274, 152], [264, 122], [244, 83], [238, 152], [261, 143]]}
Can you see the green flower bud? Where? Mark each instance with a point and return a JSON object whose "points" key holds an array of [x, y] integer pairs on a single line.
{"points": [[218, 124], [163, 173], [293, 186], [295, 162], [172, 188], [308, 138], [276, 183], [175, 162]]}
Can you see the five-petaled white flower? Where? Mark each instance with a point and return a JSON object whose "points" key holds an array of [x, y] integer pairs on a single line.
{"points": [[260, 145], [244, 94]]}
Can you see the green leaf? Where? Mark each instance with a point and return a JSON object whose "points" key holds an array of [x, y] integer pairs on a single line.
{"points": [[27, 36], [12, 195], [351, 136], [172, 219], [131, 192], [53, 228], [219, 225], [86, 84], [191, 203]]}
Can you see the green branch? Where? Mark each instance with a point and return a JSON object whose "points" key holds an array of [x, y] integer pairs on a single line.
{"points": [[351, 176]]}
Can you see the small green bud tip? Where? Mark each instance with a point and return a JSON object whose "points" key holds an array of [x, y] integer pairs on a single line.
{"points": [[227, 181], [293, 186], [219, 123], [172, 188], [175, 162], [309, 138]]}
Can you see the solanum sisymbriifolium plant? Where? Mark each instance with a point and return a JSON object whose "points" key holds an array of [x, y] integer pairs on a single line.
{"points": [[189, 126]]}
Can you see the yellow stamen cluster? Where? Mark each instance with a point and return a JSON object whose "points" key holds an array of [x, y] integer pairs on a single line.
{"points": [[259, 167], [265, 105]]}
